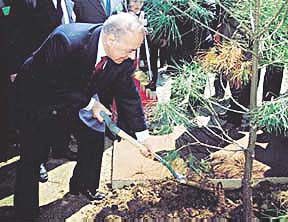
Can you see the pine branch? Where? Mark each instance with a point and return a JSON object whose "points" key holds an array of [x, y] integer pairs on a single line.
{"points": [[277, 27], [232, 98], [266, 27], [214, 31], [246, 28], [226, 108], [209, 146]]}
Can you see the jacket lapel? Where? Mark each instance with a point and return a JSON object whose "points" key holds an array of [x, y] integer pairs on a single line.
{"points": [[92, 47]]}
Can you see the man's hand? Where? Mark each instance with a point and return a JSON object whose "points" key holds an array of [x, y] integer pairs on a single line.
{"points": [[147, 151], [97, 108]]}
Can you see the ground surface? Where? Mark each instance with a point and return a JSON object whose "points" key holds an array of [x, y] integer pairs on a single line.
{"points": [[153, 199]]}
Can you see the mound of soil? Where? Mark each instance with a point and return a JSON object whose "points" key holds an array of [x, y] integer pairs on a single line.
{"points": [[168, 199]]}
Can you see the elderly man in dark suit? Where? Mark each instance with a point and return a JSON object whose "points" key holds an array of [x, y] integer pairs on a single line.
{"points": [[76, 64]]}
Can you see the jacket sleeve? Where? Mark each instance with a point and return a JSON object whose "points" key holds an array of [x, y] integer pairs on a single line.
{"points": [[52, 53], [34, 72], [48, 75], [129, 107]]}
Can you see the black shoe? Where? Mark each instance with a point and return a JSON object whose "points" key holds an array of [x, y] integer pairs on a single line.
{"points": [[96, 195], [151, 86], [77, 189], [43, 175]]}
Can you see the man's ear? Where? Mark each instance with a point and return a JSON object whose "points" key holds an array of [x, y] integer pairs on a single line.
{"points": [[111, 39]]}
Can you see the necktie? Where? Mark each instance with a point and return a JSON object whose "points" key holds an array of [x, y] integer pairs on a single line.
{"points": [[100, 65], [108, 7]]}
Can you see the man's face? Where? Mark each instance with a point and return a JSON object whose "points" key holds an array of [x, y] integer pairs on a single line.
{"points": [[120, 49]]}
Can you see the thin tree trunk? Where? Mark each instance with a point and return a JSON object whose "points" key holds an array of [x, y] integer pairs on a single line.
{"points": [[250, 152]]}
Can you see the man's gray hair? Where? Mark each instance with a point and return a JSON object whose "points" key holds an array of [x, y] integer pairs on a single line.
{"points": [[123, 23]]}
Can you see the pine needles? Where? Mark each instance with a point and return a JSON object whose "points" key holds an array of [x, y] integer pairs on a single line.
{"points": [[186, 92], [273, 116], [164, 20], [229, 60]]}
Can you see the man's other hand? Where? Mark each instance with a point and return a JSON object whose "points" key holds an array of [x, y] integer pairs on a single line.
{"points": [[148, 147]]}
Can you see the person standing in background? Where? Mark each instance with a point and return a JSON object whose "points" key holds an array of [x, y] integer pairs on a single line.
{"points": [[97, 11], [33, 21], [153, 46]]}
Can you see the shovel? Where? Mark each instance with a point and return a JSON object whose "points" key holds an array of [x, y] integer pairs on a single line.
{"points": [[117, 131]]}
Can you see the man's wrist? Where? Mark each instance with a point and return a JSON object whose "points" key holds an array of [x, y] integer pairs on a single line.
{"points": [[142, 135], [91, 103]]}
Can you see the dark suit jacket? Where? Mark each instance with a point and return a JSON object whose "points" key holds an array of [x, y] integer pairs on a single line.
{"points": [[89, 11], [59, 74]]}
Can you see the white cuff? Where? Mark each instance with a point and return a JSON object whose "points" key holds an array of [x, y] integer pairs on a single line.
{"points": [[90, 105], [141, 136]]}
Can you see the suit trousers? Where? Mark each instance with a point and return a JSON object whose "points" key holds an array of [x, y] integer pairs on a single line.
{"points": [[86, 174], [34, 139]]}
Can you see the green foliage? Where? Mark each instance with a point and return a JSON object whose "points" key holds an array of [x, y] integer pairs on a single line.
{"points": [[273, 27], [198, 166], [273, 116], [275, 40], [164, 20], [229, 60], [187, 91], [190, 79], [167, 116], [188, 84]]}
